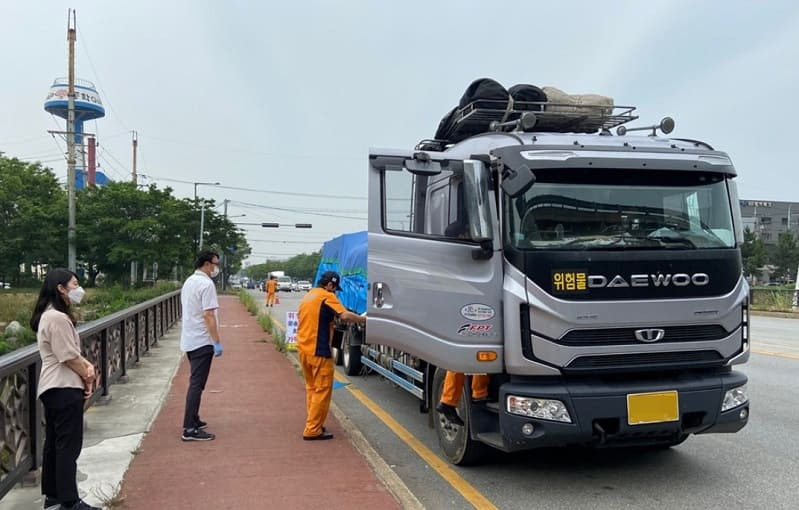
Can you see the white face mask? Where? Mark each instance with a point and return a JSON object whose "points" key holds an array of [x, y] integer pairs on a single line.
{"points": [[215, 272], [76, 295]]}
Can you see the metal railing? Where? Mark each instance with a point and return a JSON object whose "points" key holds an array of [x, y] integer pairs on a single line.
{"points": [[112, 344]]}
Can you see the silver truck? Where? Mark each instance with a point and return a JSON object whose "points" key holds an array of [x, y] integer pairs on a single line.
{"points": [[596, 277]]}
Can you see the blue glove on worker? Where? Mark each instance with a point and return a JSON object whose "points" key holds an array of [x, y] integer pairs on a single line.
{"points": [[217, 349]]}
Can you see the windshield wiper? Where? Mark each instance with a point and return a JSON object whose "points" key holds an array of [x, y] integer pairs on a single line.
{"points": [[672, 240]]}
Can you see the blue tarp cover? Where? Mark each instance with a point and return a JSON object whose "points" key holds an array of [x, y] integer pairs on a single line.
{"points": [[347, 255]]}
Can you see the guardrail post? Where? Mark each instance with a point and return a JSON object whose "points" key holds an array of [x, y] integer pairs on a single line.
{"points": [[136, 336], [104, 360], [34, 416], [123, 345], [147, 330]]}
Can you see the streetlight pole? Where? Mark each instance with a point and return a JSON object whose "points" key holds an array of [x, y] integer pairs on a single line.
{"points": [[224, 258], [202, 210]]}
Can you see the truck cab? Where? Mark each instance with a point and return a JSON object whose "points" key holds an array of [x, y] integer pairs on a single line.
{"points": [[597, 278]]}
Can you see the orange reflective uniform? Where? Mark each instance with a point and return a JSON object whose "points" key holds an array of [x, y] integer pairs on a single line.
{"points": [[453, 387], [271, 287], [315, 329]]}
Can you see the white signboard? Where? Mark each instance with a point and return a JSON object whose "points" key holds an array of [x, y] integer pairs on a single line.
{"points": [[292, 321]]}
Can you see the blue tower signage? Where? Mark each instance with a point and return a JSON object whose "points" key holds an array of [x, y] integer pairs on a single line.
{"points": [[88, 106]]}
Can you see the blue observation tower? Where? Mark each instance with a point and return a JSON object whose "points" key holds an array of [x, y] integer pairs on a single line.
{"points": [[87, 107]]}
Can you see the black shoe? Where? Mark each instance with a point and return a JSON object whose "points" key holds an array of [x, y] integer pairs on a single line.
{"points": [[49, 502], [197, 435], [80, 505], [449, 413], [320, 437], [201, 425]]}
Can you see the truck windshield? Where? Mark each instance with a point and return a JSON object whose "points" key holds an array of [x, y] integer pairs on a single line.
{"points": [[599, 209]]}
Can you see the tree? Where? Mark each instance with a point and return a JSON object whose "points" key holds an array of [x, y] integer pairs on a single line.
{"points": [[302, 267], [119, 224], [33, 218], [786, 256], [753, 253]]}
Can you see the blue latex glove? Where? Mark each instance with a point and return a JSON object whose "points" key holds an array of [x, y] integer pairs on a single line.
{"points": [[217, 349]]}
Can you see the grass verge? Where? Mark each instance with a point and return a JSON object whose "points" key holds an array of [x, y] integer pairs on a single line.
{"points": [[264, 320]]}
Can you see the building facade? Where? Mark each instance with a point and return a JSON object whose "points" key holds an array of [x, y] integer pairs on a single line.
{"points": [[768, 219]]}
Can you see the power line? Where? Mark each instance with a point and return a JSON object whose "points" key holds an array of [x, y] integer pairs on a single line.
{"points": [[273, 192], [297, 211], [281, 242], [216, 148], [97, 77]]}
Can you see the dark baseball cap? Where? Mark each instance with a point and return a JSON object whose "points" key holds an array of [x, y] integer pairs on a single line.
{"points": [[330, 277]]}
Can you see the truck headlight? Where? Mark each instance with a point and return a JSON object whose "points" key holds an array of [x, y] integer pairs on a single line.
{"points": [[734, 398], [541, 408]]}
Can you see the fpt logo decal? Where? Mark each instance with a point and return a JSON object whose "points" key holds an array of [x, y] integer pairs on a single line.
{"points": [[483, 330], [570, 280]]}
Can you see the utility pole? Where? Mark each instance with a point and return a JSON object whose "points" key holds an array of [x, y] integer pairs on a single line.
{"points": [[71, 257], [135, 146]]}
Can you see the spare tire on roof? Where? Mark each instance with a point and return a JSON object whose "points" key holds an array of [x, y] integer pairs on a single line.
{"points": [[483, 88]]}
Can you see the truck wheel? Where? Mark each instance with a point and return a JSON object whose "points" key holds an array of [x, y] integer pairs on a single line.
{"points": [[455, 441], [337, 356], [350, 356]]}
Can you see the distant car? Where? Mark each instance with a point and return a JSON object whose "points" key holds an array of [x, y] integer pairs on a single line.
{"points": [[304, 285], [294, 287], [5, 285], [236, 285], [284, 283]]}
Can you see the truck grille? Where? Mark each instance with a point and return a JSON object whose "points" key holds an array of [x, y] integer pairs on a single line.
{"points": [[645, 361], [626, 336]]}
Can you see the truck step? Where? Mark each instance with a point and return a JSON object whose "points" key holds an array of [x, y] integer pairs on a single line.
{"points": [[492, 439]]}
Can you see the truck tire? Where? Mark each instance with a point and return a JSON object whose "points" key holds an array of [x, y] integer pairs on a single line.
{"points": [[455, 441], [337, 357], [350, 355]]}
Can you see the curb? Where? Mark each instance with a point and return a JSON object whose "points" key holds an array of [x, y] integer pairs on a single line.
{"points": [[779, 315]]}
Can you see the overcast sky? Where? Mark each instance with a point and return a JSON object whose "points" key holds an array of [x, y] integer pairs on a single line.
{"points": [[289, 96]]}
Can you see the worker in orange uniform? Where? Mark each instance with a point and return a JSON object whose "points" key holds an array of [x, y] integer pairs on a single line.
{"points": [[316, 313], [453, 389], [271, 289]]}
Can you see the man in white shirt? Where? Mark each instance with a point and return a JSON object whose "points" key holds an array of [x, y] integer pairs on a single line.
{"points": [[199, 338]]}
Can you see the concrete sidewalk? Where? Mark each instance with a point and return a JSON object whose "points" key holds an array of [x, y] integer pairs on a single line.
{"points": [[255, 402]]}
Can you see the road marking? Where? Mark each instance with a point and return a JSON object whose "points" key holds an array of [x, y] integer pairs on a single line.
{"points": [[467, 490], [776, 353]]}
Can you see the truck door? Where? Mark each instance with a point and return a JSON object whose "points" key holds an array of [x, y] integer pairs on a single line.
{"points": [[434, 261]]}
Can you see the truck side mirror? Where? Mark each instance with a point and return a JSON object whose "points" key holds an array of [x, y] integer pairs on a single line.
{"points": [[516, 181], [485, 251]]}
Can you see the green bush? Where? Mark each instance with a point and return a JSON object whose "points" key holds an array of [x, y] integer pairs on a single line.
{"points": [[779, 300], [264, 320], [98, 303]]}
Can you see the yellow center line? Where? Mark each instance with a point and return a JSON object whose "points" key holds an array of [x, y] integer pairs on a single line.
{"points": [[776, 353], [467, 490]]}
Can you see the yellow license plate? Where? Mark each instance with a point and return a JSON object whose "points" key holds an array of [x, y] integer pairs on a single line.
{"points": [[657, 407]]}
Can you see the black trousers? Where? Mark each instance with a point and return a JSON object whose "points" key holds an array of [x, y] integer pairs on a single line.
{"points": [[200, 361], [63, 440]]}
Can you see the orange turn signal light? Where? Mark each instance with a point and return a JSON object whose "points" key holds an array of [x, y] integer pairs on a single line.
{"points": [[486, 356]]}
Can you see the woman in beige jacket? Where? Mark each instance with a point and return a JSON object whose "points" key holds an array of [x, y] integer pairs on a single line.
{"points": [[65, 382]]}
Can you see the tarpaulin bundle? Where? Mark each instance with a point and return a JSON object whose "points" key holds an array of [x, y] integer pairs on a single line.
{"points": [[347, 255], [489, 94]]}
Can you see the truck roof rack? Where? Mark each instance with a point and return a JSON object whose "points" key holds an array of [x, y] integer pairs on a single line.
{"points": [[486, 115]]}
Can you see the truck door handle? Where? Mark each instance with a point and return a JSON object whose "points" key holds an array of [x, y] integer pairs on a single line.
{"points": [[378, 295]]}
